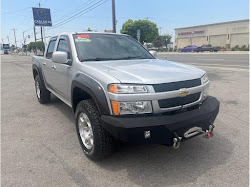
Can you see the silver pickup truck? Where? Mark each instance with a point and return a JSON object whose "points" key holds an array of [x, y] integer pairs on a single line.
{"points": [[120, 91]]}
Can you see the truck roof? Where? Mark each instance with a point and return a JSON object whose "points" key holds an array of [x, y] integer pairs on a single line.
{"points": [[90, 32]]}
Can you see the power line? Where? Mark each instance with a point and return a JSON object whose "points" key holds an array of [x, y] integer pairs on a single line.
{"points": [[80, 13], [73, 11], [13, 12]]}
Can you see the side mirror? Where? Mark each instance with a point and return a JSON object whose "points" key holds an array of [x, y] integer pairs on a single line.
{"points": [[60, 57], [154, 53]]}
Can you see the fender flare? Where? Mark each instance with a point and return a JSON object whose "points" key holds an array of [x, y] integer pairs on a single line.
{"points": [[36, 66], [94, 89]]}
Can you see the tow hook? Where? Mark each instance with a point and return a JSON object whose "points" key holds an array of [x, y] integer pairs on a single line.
{"points": [[209, 133], [177, 141]]}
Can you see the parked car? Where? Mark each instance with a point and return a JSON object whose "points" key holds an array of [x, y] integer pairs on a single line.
{"points": [[208, 47], [120, 91], [189, 48]]}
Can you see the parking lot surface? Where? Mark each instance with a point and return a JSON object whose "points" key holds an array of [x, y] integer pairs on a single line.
{"points": [[39, 144]]}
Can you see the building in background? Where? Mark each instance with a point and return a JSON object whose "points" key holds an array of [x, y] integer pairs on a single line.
{"points": [[224, 34]]}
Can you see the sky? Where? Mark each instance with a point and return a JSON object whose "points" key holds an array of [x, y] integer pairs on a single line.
{"points": [[165, 13]]}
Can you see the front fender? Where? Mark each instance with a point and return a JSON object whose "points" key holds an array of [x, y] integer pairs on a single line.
{"points": [[94, 89]]}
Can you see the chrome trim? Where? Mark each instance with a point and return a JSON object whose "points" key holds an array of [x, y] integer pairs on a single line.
{"points": [[154, 97]]}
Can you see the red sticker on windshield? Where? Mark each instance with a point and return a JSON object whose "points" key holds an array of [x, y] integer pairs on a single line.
{"points": [[82, 36]]}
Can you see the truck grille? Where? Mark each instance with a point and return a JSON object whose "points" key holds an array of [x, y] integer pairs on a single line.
{"points": [[166, 87], [179, 101]]}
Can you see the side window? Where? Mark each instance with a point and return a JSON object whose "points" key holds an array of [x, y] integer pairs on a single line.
{"points": [[51, 47], [63, 45]]}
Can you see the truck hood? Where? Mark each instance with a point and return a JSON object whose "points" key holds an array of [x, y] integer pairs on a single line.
{"points": [[147, 71]]}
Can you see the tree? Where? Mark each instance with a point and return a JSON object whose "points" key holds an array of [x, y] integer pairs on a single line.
{"points": [[148, 29], [89, 29], [34, 46], [40, 46], [165, 39], [157, 43], [31, 46]]}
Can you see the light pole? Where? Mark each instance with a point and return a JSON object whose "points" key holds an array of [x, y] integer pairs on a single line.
{"points": [[15, 36], [113, 16], [8, 39], [160, 30]]}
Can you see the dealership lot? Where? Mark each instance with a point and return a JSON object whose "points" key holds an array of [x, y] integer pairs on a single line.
{"points": [[40, 146]]}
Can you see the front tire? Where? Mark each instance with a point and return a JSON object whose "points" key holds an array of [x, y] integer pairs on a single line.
{"points": [[43, 95], [95, 141]]}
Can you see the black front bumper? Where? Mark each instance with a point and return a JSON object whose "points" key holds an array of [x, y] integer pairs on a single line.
{"points": [[161, 127]]}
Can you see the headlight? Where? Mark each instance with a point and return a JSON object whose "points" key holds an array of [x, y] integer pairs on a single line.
{"points": [[205, 93], [137, 107], [127, 89], [204, 79]]}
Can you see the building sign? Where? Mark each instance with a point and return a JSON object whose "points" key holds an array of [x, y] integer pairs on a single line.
{"points": [[42, 17], [191, 32]]}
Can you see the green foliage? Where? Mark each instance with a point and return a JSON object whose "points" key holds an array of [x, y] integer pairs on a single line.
{"points": [[40, 46], [148, 29], [89, 29], [165, 39], [242, 48], [33, 46]]}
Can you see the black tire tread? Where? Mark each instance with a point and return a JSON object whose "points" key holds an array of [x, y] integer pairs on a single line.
{"points": [[45, 94], [103, 140]]}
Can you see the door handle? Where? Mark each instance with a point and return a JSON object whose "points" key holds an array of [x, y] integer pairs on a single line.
{"points": [[44, 63], [53, 67]]}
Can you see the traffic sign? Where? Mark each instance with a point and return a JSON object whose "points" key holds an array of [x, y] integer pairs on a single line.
{"points": [[42, 17]]}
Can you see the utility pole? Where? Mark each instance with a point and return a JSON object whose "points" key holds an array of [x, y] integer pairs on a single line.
{"points": [[14, 35], [160, 30], [113, 16], [23, 39], [35, 32], [8, 39], [41, 27]]}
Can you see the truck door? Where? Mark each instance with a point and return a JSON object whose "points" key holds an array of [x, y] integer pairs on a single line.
{"points": [[63, 72], [47, 63]]}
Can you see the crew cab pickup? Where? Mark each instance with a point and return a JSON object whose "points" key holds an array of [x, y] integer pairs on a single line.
{"points": [[208, 47], [119, 91]]}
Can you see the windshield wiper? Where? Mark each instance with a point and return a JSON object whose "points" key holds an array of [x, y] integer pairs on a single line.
{"points": [[105, 59], [97, 59], [131, 57]]}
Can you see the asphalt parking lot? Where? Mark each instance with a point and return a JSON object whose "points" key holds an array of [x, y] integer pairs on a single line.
{"points": [[39, 145]]}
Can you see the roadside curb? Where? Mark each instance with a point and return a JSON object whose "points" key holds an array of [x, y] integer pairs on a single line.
{"points": [[210, 53]]}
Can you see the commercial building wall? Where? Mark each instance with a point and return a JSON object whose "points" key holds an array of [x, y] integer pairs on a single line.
{"points": [[225, 34]]}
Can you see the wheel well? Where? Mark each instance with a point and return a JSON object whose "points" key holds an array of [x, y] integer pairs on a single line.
{"points": [[35, 73], [79, 95]]}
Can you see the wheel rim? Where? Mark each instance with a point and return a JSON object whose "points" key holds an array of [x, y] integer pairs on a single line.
{"points": [[85, 130], [38, 91]]}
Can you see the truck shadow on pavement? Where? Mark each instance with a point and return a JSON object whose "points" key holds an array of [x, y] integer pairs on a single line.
{"points": [[151, 165], [154, 165]]}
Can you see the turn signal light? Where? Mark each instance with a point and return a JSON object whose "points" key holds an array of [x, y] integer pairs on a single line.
{"points": [[113, 88], [115, 107]]}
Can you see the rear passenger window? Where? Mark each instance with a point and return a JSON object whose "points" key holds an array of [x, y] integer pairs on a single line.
{"points": [[63, 45], [51, 47]]}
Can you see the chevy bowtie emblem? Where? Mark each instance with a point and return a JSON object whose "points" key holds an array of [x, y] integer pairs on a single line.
{"points": [[183, 92]]}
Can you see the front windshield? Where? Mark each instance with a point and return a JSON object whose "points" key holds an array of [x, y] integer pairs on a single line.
{"points": [[99, 47]]}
